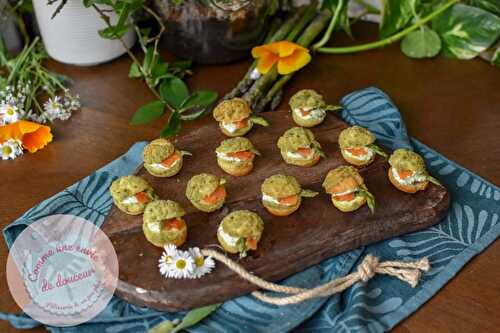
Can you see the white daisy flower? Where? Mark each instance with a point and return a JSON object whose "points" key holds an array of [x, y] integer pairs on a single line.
{"points": [[8, 114], [54, 109], [167, 259], [182, 266], [10, 149], [202, 265]]}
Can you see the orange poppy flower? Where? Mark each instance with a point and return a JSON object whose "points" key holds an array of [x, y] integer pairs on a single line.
{"points": [[289, 56], [32, 135]]}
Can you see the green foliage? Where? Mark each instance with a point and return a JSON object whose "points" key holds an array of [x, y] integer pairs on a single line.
{"points": [[460, 30], [422, 43], [492, 6], [495, 59], [396, 15], [148, 112], [343, 21], [190, 319], [466, 31], [200, 98], [174, 92], [184, 106]]}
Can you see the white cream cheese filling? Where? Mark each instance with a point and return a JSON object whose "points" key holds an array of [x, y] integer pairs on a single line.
{"points": [[154, 227], [228, 239], [161, 167], [363, 158], [344, 193], [270, 199], [230, 127], [415, 178], [227, 158], [313, 114], [132, 200], [297, 156]]}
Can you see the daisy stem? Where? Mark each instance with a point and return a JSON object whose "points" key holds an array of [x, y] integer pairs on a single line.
{"points": [[388, 40]]}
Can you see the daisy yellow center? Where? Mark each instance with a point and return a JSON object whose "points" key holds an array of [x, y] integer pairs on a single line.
{"points": [[10, 111], [180, 264], [168, 259], [7, 150], [199, 261]]}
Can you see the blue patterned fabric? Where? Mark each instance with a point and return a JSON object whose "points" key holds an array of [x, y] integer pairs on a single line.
{"points": [[376, 306]]}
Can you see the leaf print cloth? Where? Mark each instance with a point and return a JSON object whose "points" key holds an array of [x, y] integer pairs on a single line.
{"points": [[376, 306]]}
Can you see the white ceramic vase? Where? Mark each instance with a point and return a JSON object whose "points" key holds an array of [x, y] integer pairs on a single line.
{"points": [[72, 36]]}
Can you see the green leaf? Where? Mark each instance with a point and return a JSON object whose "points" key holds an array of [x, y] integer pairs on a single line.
{"points": [[396, 14], [422, 43], [241, 244], [148, 113], [174, 91], [114, 32], [370, 199], [134, 72], [148, 59], [158, 73], [200, 99], [433, 180], [378, 150], [195, 316], [308, 193], [259, 121], [333, 108], [164, 327], [495, 59], [466, 31], [193, 115], [173, 126], [492, 6]]}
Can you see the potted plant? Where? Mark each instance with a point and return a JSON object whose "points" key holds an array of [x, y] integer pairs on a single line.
{"points": [[72, 36]]}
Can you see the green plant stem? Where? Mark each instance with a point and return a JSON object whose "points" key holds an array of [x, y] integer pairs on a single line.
{"points": [[21, 60], [106, 20], [328, 33], [388, 40], [308, 36], [157, 37]]}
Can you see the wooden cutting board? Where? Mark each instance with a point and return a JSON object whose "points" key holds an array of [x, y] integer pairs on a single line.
{"points": [[289, 244]]}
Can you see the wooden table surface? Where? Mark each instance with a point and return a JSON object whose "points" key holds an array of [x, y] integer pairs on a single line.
{"points": [[450, 105]]}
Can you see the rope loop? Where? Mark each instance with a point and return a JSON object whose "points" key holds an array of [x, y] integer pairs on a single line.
{"points": [[409, 272]]}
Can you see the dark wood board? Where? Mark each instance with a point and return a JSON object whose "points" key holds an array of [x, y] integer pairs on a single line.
{"points": [[289, 244]]}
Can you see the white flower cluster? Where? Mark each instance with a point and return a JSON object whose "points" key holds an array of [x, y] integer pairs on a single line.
{"points": [[13, 106], [10, 149], [178, 264], [58, 108], [12, 100]]}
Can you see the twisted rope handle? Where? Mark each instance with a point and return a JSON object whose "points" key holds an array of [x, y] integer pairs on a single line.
{"points": [[409, 272]]}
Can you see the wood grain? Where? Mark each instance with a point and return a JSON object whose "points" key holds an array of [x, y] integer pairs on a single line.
{"points": [[451, 105], [289, 244]]}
